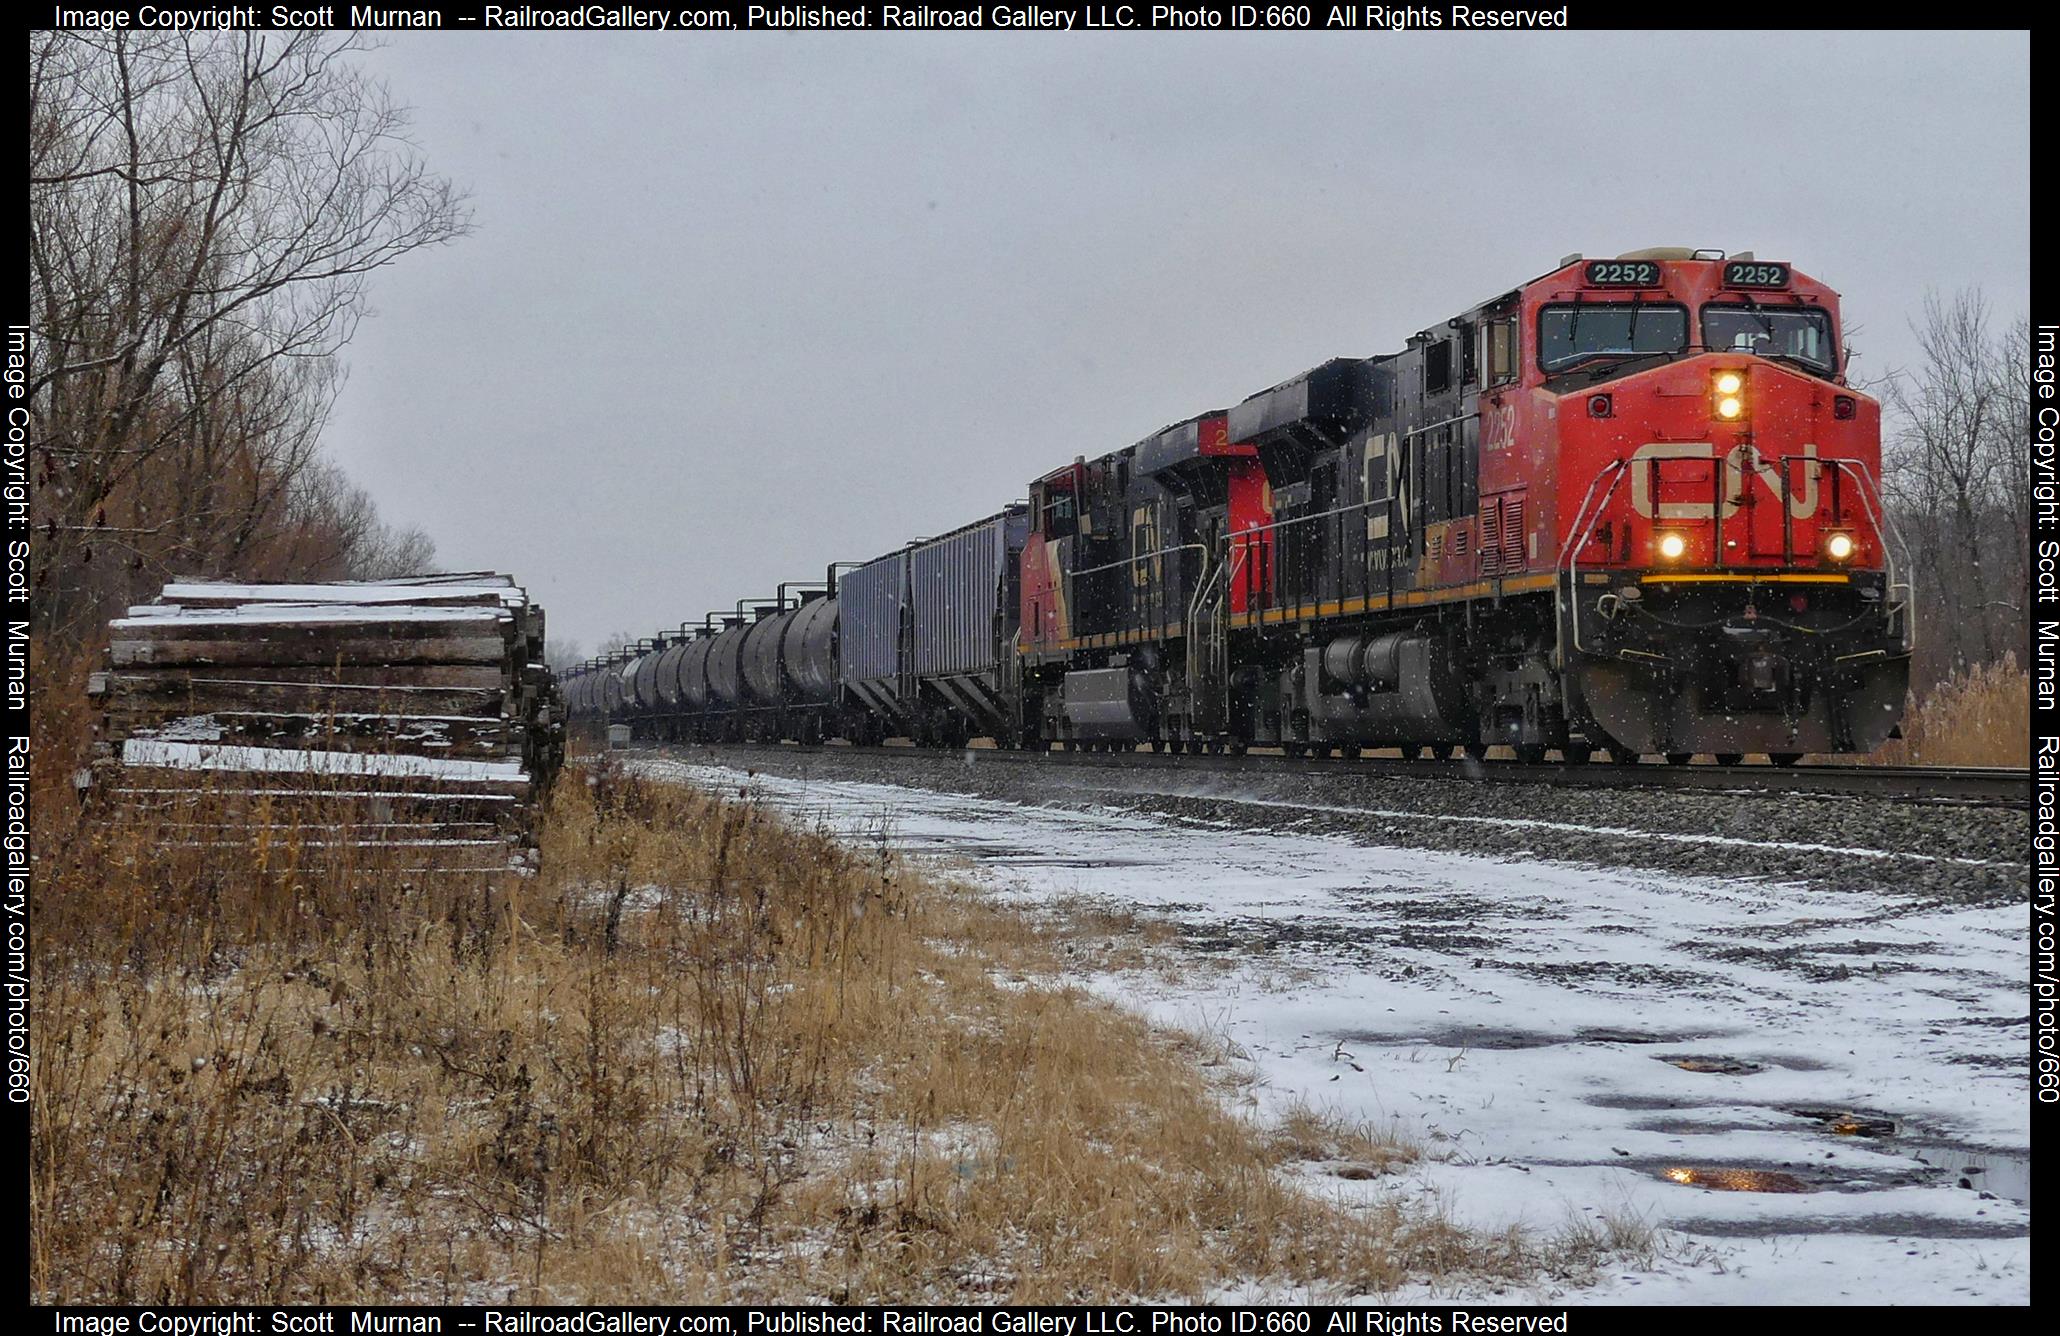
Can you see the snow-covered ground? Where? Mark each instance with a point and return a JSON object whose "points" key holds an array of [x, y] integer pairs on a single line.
{"points": [[1570, 1042]]}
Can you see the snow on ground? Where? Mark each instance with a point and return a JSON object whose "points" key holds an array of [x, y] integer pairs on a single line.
{"points": [[1526, 1023]]}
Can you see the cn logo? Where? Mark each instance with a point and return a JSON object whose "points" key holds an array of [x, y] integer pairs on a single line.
{"points": [[1802, 477]]}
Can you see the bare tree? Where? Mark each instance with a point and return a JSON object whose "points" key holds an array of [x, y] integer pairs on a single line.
{"points": [[1955, 476], [204, 211], [563, 655]]}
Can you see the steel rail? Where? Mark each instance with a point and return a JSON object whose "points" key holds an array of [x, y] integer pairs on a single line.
{"points": [[1969, 786]]}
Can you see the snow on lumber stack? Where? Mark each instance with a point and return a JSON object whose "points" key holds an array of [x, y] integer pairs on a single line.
{"points": [[419, 709]]}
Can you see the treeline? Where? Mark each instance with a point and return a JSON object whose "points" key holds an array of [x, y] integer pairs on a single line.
{"points": [[204, 212], [1957, 473]]}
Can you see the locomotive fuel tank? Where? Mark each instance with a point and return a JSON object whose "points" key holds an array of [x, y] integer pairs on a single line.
{"points": [[1398, 687], [1110, 703]]}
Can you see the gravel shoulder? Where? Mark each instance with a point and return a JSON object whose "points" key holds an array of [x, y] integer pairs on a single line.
{"points": [[1933, 853]]}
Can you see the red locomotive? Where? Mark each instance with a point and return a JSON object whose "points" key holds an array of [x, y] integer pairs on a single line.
{"points": [[1630, 506]]}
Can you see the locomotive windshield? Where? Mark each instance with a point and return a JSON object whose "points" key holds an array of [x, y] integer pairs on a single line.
{"points": [[1571, 335], [1802, 334]]}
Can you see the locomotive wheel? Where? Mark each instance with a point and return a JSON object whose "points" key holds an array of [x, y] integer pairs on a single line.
{"points": [[1784, 758], [1295, 748], [1576, 754], [1238, 746], [1476, 751], [1729, 758], [1623, 756], [1680, 758], [1530, 753], [1320, 750], [1350, 751]]}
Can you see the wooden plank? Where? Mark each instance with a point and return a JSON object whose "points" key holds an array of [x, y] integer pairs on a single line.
{"points": [[345, 652], [274, 784], [479, 677], [242, 596], [183, 693], [473, 624], [407, 734], [348, 728], [369, 830], [184, 806]]}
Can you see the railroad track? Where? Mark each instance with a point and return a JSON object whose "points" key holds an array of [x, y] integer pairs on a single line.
{"points": [[1982, 786]]}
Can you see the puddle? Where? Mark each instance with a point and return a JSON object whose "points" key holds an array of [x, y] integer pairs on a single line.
{"points": [[1493, 1038], [1720, 1178], [1049, 860], [1849, 1123], [1897, 1224], [1695, 1127], [1005, 855], [2004, 1174], [1716, 1066]]}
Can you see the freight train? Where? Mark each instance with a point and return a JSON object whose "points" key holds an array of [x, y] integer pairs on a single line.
{"points": [[1631, 507]]}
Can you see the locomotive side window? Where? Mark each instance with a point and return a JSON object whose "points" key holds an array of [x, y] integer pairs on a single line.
{"points": [[1469, 355], [1571, 335], [1144, 541], [1799, 333], [1437, 367], [1500, 363], [1058, 515]]}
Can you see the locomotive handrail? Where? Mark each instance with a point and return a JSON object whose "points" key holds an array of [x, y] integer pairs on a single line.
{"points": [[1142, 556], [1621, 468], [1901, 592], [1195, 603], [1433, 426], [1319, 515], [1891, 538]]}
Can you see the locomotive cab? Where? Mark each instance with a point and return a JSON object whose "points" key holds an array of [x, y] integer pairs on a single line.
{"points": [[1728, 580]]}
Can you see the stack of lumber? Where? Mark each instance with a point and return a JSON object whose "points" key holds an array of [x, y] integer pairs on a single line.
{"points": [[411, 721]]}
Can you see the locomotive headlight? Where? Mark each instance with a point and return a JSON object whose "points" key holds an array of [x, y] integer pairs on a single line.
{"points": [[1727, 395], [1671, 546], [1839, 546]]}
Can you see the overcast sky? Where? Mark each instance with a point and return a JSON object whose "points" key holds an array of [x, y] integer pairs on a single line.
{"points": [[738, 305]]}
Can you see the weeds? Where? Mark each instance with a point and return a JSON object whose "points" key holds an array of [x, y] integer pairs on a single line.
{"points": [[702, 1056], [1981, 716]]}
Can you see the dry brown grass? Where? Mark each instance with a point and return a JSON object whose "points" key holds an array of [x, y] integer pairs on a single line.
{"points": [[702, 1056], [1981, 716]]}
